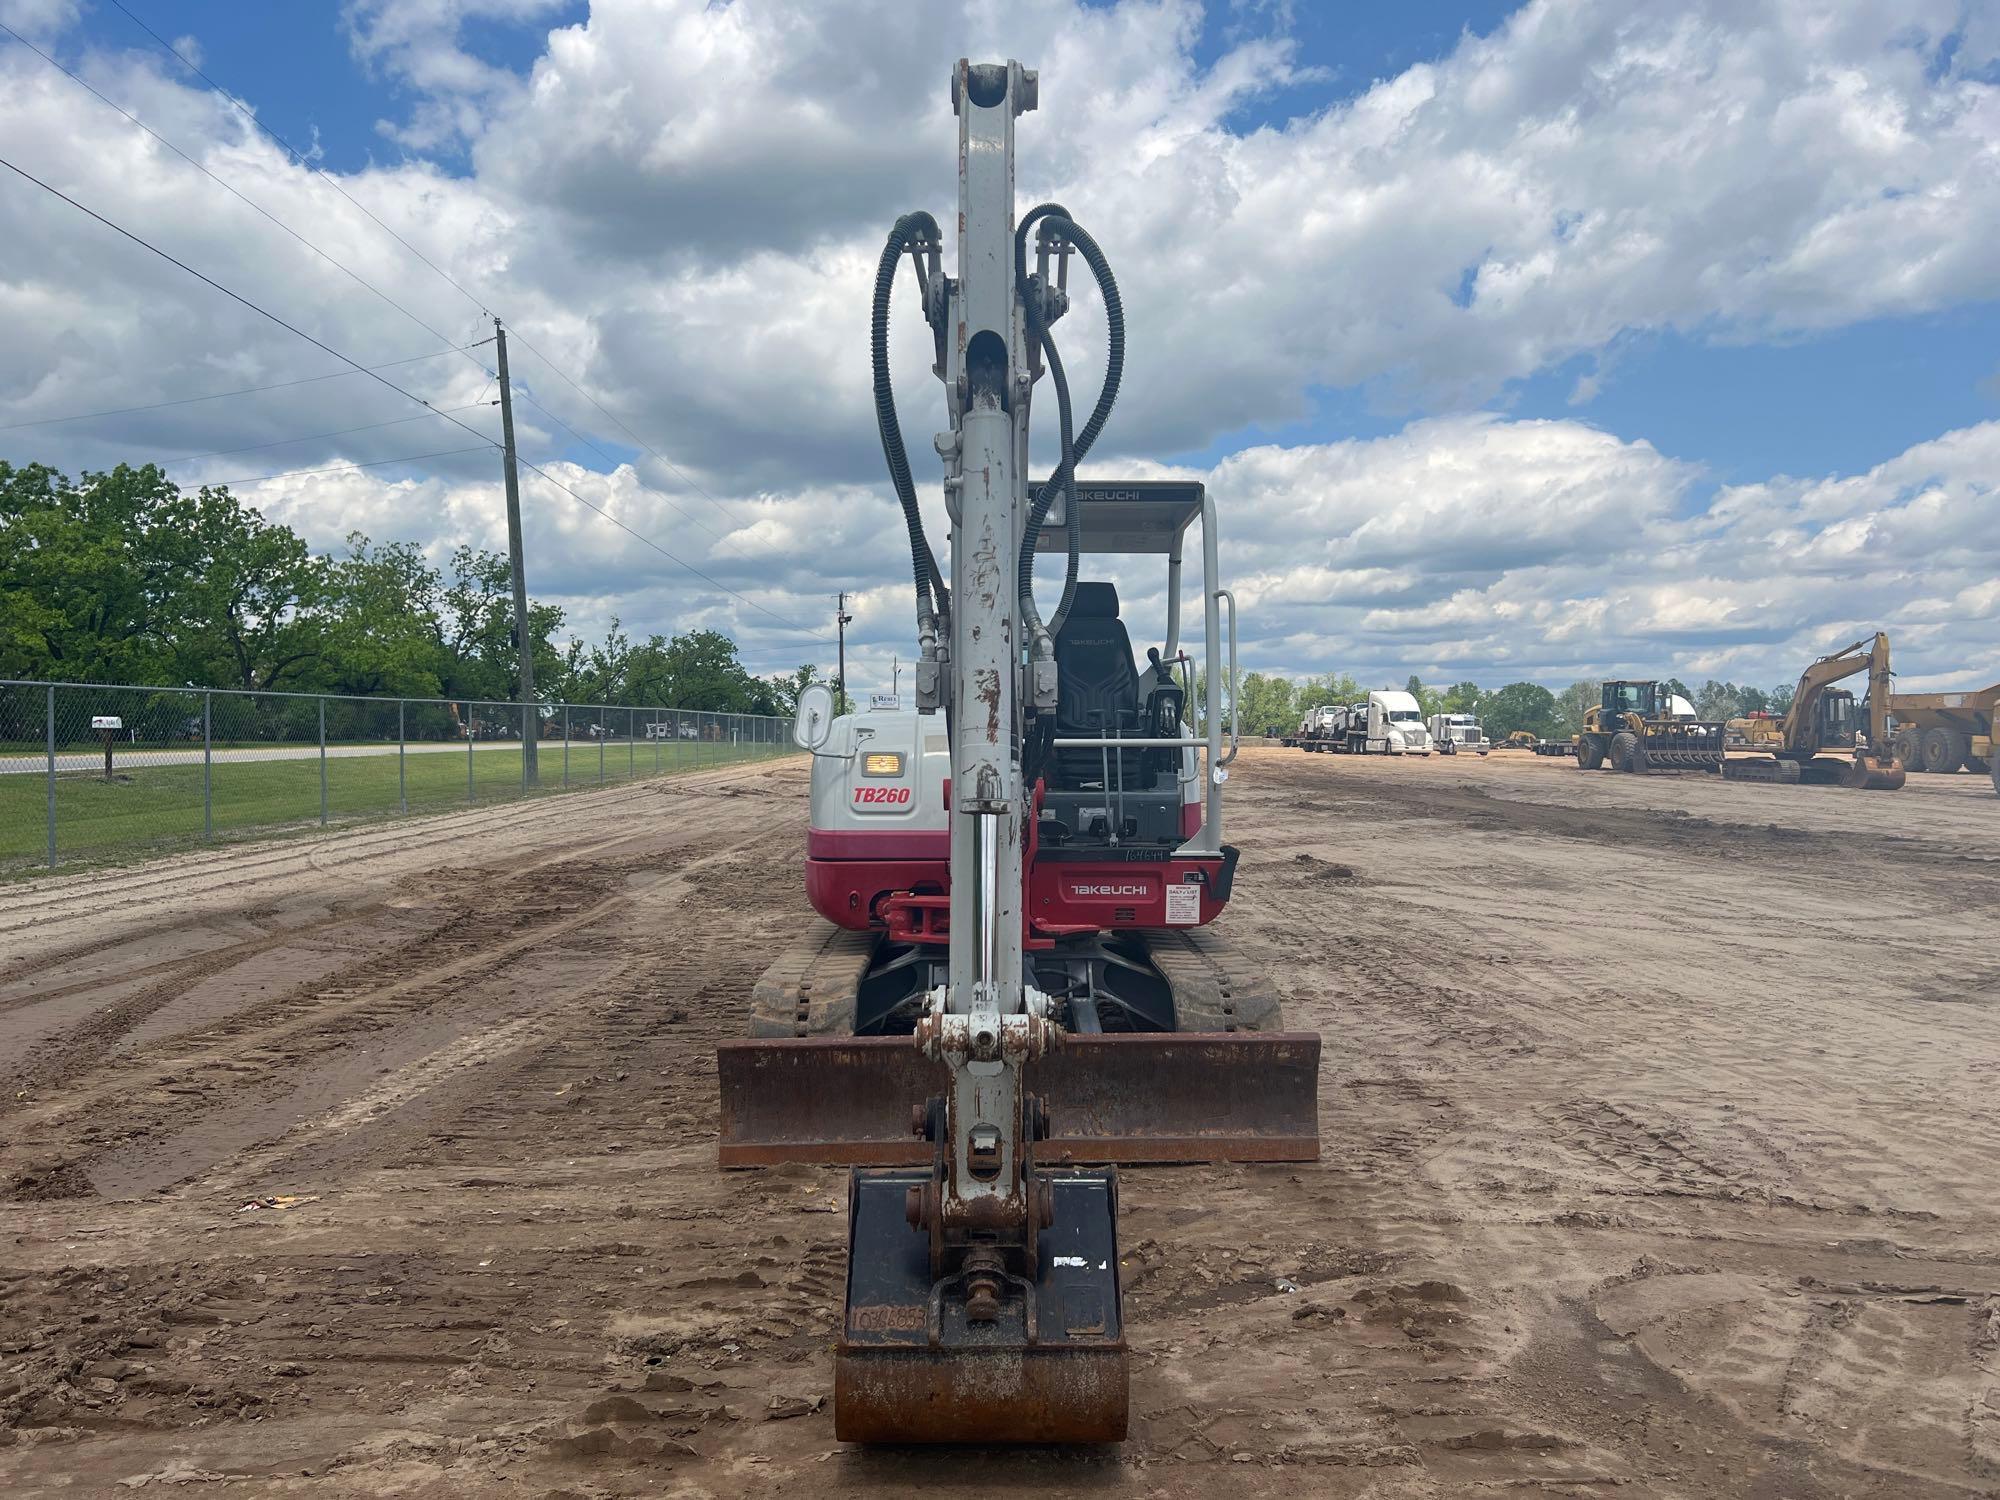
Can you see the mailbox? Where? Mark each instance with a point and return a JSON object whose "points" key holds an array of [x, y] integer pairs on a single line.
{"points": [[106, 721]]}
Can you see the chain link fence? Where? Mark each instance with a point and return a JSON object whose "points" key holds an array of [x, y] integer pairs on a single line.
{"points": [[94, 773]]}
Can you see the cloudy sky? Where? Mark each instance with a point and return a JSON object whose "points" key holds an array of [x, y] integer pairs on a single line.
{"points": [[1545, 341]]}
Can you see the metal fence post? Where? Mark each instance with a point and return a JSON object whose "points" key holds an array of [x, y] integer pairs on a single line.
{"points": [[402, 777], [468, 754], [527, 728], [656, 742], [207, 767], [50, 726], [602, 715], [322, 762], [631, 745], [565, 744]]}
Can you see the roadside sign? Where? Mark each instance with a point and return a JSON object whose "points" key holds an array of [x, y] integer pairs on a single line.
{"points": [[884, 702]]}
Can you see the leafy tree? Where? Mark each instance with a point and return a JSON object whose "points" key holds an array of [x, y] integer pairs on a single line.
{"points": [[786, 686], [1464, 698], [1574, 701], [1718, 700], [80, 587], [1269, 703], [249, 603], [1328, 687], [1521, 705], [383, 632], [122, 577]]}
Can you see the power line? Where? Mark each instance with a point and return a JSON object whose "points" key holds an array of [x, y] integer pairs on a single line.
{"points": [[641, 536], [188, 458], [303, 160], [610, 459], [358, 278], [671, 466], [236, 296], [299, 156], [407, 395], [216, 484], [248, 390]]}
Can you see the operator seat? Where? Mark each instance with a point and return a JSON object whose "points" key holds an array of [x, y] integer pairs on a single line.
{"points": [[1097, 685]]}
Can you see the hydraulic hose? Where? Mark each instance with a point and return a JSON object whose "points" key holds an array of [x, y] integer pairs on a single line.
{"points": [[1064, 479], [931, 595], [1073, 449]]}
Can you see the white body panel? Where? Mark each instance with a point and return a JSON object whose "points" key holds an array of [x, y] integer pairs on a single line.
{"points": [[1389, 723], [848, 798]]}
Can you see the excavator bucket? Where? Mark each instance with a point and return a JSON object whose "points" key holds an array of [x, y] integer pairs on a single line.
{"points": [[1874, 773], [1137, 1097], [911, 1367]]}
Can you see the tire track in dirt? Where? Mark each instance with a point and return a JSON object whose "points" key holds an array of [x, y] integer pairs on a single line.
{"points": [[90, 897], [1549, 1245], [485, 923]]}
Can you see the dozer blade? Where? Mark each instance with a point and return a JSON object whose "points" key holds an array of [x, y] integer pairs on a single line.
{"points": [[1136, 1097], [910, 1367]]}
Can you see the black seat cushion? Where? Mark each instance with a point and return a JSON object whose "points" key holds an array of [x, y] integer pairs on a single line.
{"points": [[1097, 687]]}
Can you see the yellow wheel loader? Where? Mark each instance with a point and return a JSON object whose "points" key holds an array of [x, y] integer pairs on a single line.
{"points": [[1634, 728]]}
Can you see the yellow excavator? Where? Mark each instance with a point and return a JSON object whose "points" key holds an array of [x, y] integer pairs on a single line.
{"points": [[1823, 716]]}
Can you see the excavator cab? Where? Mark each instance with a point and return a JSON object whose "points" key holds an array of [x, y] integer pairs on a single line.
{"points": [[1623, 697], [1837, 717]]}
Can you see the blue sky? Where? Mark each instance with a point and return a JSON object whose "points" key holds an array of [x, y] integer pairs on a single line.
{"points": [[1517, 340], [1803, 405], [327, 97]]}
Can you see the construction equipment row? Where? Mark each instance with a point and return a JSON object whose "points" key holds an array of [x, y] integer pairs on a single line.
{"points": [[1641, 725]]}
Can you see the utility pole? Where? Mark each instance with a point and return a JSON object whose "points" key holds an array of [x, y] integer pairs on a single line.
{"points": [[840, 619], [896, 676], [524, 646]]}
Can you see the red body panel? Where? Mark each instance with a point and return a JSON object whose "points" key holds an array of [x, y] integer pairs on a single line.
{"points": [[850, 875]]}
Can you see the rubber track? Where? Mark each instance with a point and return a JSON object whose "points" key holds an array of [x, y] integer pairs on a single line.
{"points": [[1213, 988], [811, 989]]}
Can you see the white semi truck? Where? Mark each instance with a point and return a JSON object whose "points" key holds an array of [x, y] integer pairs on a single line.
{"points": [[1388, 723], [1455, 733]]}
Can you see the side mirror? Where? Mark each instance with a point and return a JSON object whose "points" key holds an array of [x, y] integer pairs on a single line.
{"points": [[812, 722]]}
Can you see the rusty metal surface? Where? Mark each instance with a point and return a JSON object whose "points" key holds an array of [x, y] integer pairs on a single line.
{"points": [[1064, 1394], [1148, 1097], [1874, 773]]}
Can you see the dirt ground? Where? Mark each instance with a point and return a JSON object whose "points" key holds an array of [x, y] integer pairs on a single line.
{"points": [[1660, 1120]]}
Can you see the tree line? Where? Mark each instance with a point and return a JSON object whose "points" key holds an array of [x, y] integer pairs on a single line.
{"points": [[1274, 704], [125, 577]]}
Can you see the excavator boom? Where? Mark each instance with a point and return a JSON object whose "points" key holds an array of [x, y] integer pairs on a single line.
{"points": [[1013, 985]]}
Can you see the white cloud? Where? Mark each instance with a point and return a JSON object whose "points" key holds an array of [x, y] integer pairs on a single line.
{"points": [[683, 204]]}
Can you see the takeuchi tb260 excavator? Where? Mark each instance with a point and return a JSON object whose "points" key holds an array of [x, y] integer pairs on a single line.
{"points": [[1013, 983], [1807, 729]]}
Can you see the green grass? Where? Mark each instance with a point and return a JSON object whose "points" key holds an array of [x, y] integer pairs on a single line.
{"points": [[147, 809]]}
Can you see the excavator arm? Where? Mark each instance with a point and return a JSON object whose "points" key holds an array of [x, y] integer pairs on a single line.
{"points": [[1796, 755], [1800, 733]]}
